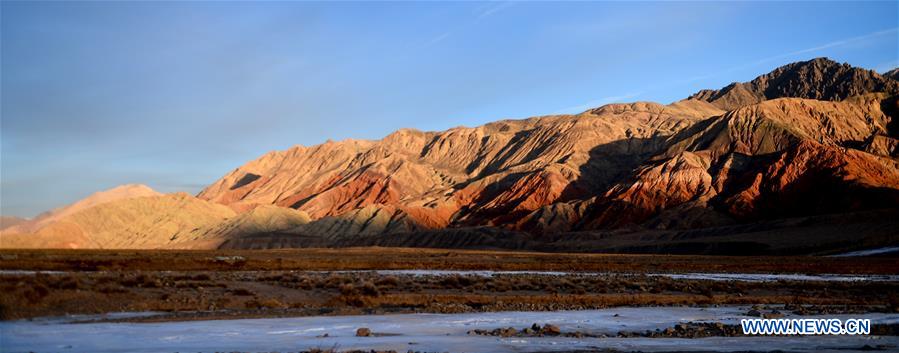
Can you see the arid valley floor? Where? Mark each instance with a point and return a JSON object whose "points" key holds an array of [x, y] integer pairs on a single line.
{"points": [[624, 227], [195, 286]]}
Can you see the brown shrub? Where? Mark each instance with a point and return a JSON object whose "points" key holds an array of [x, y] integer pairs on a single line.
{"points": [[348, 290], [306, 284], [466, 281], [893, 303], [110, 289], [354, 300], [68, 282], [335, 281], [369, 289], [529, 284], [274, 278], [451, 281], [182, 284], [270, 303], [564, 283], [499, 285], [36, 293], [242, 292], [142, 281], [388, 281], [105, 279]]}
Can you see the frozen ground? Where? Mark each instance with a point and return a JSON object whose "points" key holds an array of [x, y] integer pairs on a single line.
{"points": [[762, 277], [419, 332], [869, 252], [743, 277], [28, 273], [740, 277]]}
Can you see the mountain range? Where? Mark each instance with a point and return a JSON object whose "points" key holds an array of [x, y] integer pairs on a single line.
{"points": [[804, 159]]}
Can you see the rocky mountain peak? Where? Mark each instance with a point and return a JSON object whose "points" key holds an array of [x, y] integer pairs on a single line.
{"points": [[819, 78], [893, 74], [807, 139]]}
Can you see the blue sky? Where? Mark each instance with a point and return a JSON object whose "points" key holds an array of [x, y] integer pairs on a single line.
{"points": [[176, 94]]}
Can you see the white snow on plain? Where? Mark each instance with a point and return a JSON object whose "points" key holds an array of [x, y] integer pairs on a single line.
{"points": [[419, 332], [763, 277], [28, 272], [869, 252], [740, 277]]}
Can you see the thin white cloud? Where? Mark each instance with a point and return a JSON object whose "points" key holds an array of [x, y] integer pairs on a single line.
{"points": [[481, 13], [834, 44], [437, 39], [597, 103], [497, 7], [887, 66]]}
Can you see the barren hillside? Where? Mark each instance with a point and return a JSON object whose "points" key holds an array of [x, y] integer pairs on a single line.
{"points": [[810, 139]]}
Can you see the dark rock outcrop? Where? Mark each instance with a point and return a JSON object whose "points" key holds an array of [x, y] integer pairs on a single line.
{"points": [[820, 79]]}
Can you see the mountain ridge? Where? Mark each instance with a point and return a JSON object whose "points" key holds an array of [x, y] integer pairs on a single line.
{"points": [[819, 78], [120, 192], [750, 152]]}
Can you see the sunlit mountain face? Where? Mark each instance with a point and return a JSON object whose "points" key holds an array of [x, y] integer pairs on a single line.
{"points": [[810, 140]]}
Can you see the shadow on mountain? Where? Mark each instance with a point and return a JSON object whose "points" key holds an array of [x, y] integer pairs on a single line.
{"points": [[491, 192], [609, 164], [247, 179], [890, 107], [813, 235]]}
